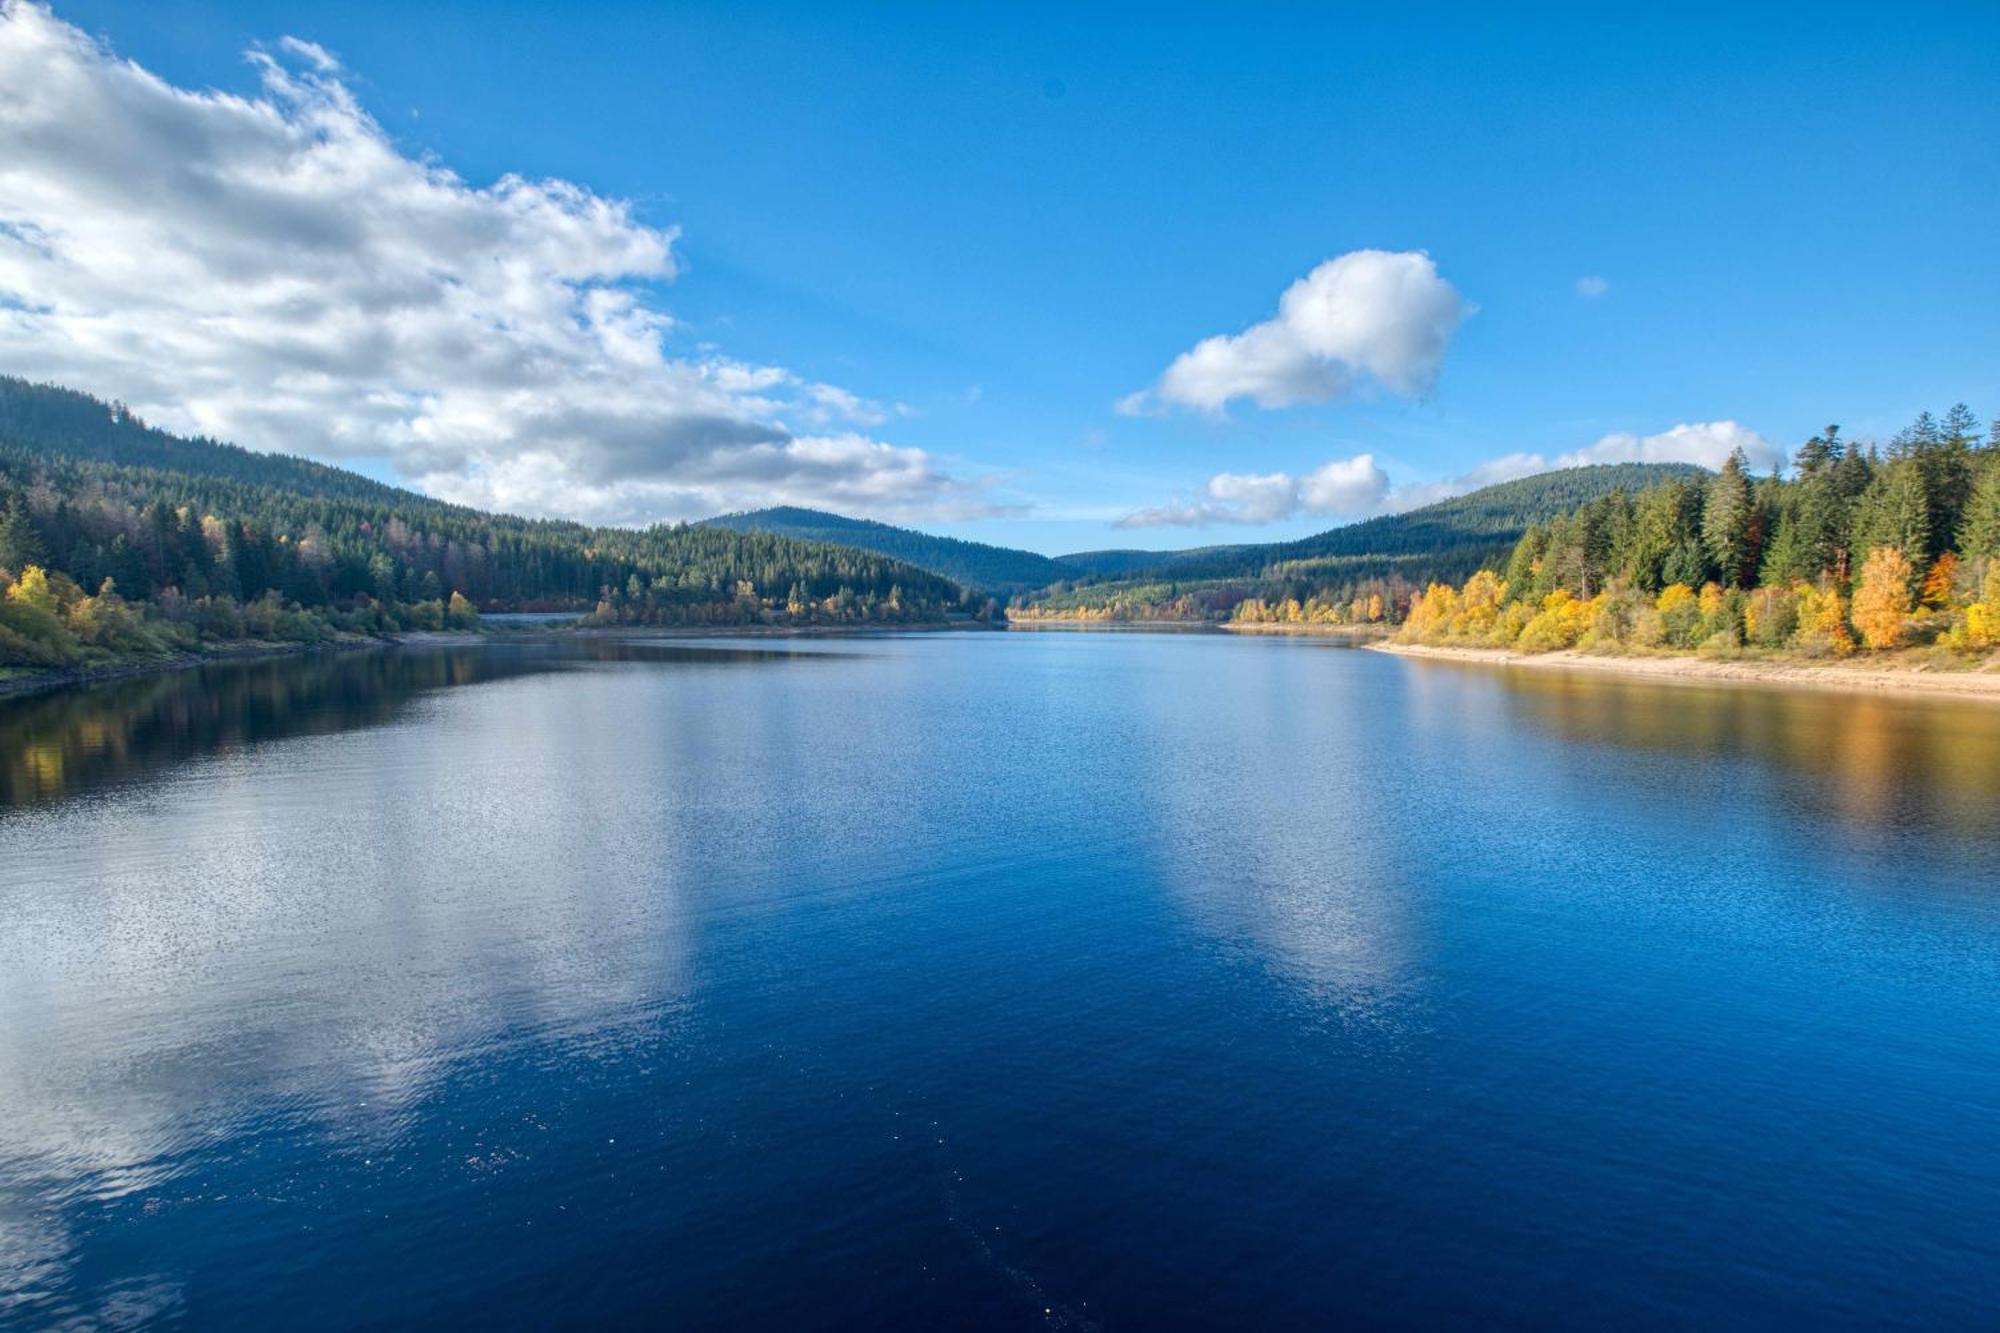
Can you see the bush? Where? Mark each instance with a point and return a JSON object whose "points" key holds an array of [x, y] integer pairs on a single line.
{"points": [[1771, 617], [1680, 615], [1559, 624], [218, 618], [110, 622], [33, 637]]}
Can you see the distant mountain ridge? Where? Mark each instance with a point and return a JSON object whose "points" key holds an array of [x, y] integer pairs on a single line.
{"points": [[210, 540], [1447, 540], [994, 569], [1490, 517], [1392, 556]]}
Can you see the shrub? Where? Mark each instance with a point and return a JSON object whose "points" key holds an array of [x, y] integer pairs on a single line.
{"points": [[35, 637], [1822, 628], [1559, 624], [1680, 615], [1771, 617]]}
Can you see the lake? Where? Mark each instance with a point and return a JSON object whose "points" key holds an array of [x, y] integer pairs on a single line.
{"points": [[1031, 980]]}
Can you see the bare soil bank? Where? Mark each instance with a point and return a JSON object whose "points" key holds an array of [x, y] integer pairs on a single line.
{"points": [[1872, 676]]}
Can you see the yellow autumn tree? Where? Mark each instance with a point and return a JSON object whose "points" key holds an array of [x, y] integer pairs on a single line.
{"points": [[32, 589], [1430, 615], [1882, 599], [1680, 614], [1982, 618], [1822, 628], [460, 613], [1561, 621], [1479, 606]]}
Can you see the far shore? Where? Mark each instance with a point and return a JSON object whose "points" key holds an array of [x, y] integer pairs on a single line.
{"points": [[1901, 677], [1303, 629], [745, 631], [1364, 633], [19, 682], [22, 682]]}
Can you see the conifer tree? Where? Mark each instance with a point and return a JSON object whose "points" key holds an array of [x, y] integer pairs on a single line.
{"points": [[20, 545], [1729, 522]]}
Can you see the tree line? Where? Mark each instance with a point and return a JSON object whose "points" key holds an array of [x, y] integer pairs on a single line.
{"points": [[203, 542], [1322, 579], [1859, 547]]}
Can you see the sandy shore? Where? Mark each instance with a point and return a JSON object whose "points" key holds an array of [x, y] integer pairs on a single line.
{"points": [[1868, 677], [1348, 633]]}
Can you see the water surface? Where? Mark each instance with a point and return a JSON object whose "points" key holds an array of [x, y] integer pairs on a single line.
{"points": [[1012, 981]]}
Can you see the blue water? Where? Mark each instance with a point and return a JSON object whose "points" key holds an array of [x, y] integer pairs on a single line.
{"points": [[997, 981]]}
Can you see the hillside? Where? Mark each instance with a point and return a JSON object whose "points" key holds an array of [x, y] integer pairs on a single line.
{"points": [[48, 419], [993, 569], [1389, 555], [1493, 515], [142, 541]]}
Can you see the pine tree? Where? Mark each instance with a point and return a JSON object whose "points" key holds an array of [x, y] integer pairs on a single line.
{"points": [[1961, 427], [20, 544], [1820, 452], [1896, 510], [1979, 536], [1729, 522], [1788, 555]]}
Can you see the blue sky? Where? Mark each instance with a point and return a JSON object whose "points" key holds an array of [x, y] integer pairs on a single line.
{"points": [[999, 224]]}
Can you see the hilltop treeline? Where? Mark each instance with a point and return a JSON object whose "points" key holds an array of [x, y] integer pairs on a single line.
{"points": [[1361, 572], [199, 541], [1858, 547], [990, 569]]}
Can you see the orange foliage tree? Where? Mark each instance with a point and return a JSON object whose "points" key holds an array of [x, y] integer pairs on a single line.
{"points": [[1882, 599], [1938, 584]]}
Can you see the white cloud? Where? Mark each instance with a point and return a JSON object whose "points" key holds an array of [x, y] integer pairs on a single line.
{"points": [[1345, 486], [274, 270], [1708, 443], [1507, 467], [1590, 286], [1358, 487], [1368, 316]]}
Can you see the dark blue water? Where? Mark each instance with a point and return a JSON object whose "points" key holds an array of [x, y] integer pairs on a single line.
{"points": [[995, 981]]}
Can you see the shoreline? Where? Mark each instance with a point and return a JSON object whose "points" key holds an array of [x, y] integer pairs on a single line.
{"points": [[41, 682], [1982, 683], [737, 631], [27, 683], [1303, 630], [1363, 634]]}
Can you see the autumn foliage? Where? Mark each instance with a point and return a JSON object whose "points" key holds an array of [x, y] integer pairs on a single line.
{"points": [[1882, 598]]}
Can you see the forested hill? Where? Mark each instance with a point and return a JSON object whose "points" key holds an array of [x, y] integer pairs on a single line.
{"points": [[52, 420], [1383, 557], [995, 569], [116, 538], [1493, 516], [1858, 548]]}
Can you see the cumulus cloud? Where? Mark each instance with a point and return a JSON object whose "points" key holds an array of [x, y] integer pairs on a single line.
{"points": [[1590, 286], [1368, 316], [1708, 443], [1357, 487], [1345, 486], [274, 270]]}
